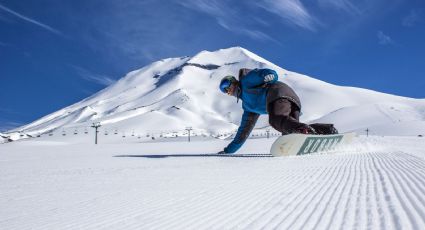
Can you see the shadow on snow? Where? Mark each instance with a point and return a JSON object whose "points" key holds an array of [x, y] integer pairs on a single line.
{"points": [[197, 155]]}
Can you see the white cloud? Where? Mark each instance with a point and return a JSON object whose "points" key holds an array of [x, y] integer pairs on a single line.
{"points": [[96, 78], [215, 8], [135, 31], [30, 20], [384, 39], [343, 5], [292, 11], [228, 17], [412, 18]]}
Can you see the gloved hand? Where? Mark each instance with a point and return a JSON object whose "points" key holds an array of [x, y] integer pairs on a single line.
{"points": [[221, 152], [268, 78]]}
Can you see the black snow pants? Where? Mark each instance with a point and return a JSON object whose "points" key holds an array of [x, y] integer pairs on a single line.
{"points": [[284, 117]]}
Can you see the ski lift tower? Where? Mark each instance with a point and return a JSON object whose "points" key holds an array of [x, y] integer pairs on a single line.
{"points": [[96, 125], [188, 132]]}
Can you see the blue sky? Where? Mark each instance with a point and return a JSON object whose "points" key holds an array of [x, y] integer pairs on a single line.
{"points": [[54, 52]]}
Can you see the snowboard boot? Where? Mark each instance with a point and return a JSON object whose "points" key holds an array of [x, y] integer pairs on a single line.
{"points": [[324, 129], [306, 129]]}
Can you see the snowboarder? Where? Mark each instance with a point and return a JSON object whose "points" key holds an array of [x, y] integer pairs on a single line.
{"points": [[262, 93]]}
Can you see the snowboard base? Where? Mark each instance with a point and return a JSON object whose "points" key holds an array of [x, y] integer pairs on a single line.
{"points": [[300, 144]]}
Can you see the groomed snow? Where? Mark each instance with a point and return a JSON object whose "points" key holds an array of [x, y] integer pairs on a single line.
{"points": [[141, 176], [377, 183]]}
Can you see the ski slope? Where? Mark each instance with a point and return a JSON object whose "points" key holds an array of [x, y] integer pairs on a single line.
{"points": [[377, 183]]}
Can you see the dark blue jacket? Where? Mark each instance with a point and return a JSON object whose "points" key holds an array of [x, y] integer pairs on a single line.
{"points": [[254, 85]]}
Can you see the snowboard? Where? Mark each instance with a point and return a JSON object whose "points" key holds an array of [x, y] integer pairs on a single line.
{"points": [[300, 144]]}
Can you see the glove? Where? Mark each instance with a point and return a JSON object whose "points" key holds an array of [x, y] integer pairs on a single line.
{"points": [[221, 152]]}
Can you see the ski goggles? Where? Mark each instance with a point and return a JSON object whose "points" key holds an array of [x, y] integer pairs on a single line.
{"points": [[225, 86], [226, 83]]}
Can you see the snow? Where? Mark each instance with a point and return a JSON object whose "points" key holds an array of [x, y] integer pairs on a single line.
{"points": [[144, 174], [382, 119], [377, 183], [3, 138]]}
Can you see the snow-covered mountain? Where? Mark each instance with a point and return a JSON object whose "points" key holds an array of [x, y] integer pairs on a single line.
{"points": [[175, 93], [3, 138]]}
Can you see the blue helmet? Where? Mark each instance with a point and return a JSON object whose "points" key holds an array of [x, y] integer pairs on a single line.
{"points": [[226, 82]]}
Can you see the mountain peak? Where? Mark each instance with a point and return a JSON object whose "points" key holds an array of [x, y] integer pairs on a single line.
{"points": [[226, 56], [174, 93]]}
